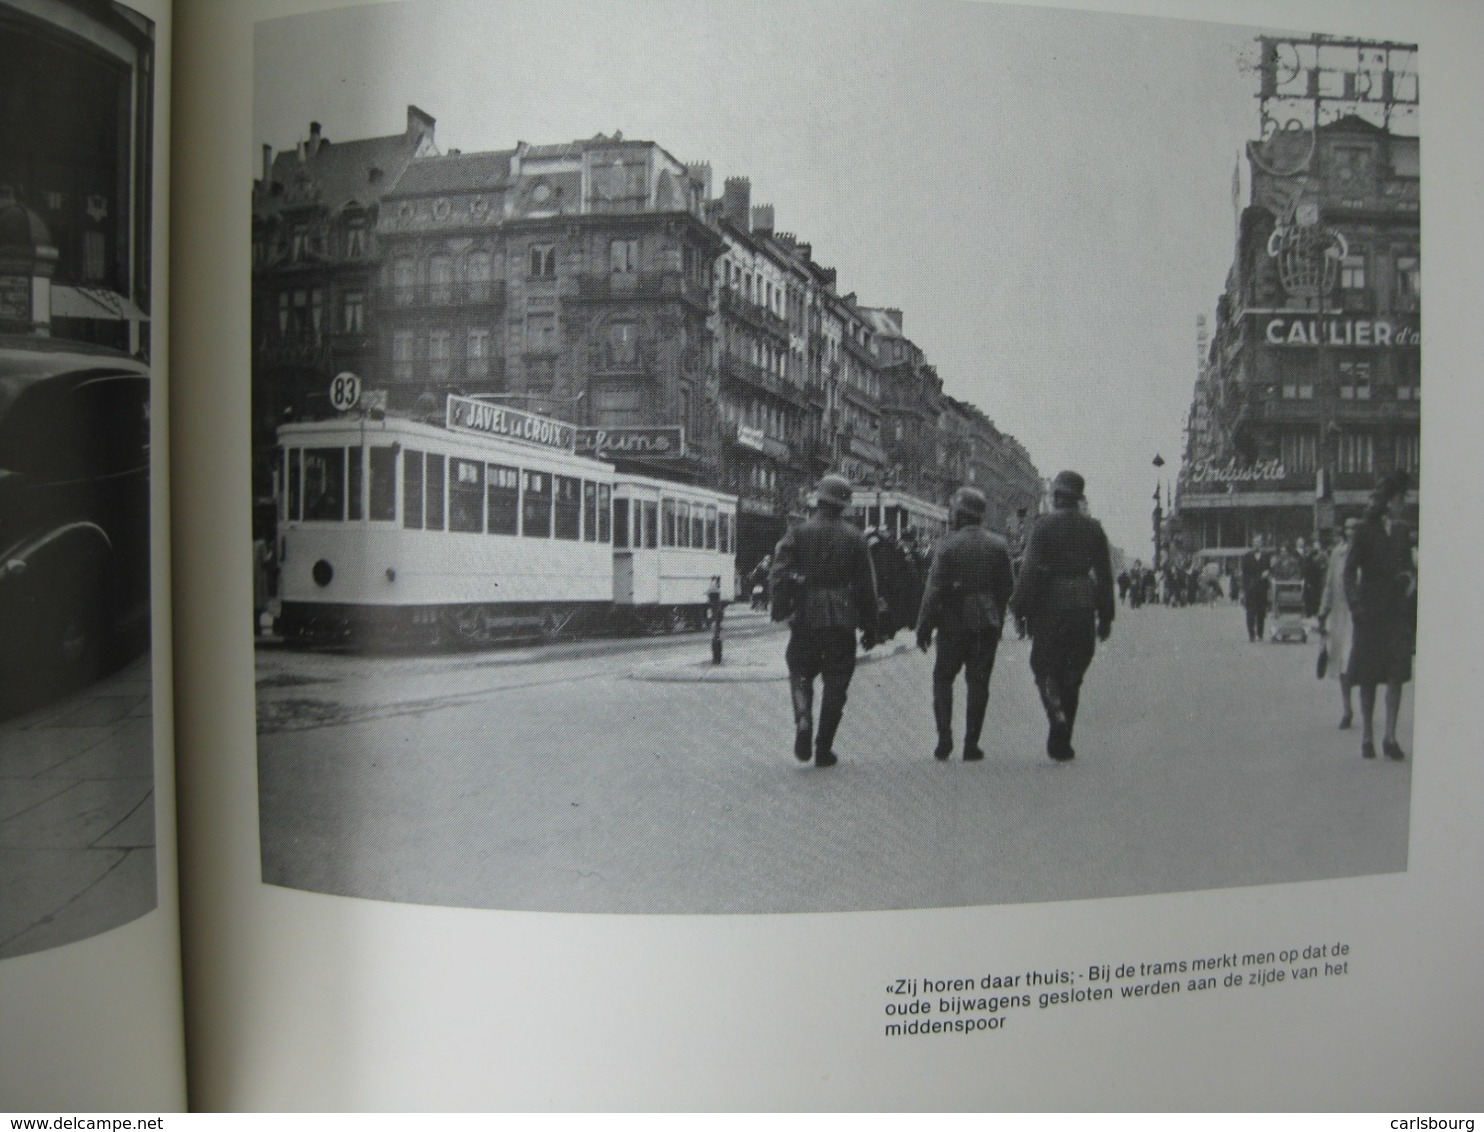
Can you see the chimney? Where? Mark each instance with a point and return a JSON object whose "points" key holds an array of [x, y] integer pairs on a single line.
{"points": [[896, 316], [267, 164], [314, 139], [736, 201], [419, 122], [700, 172], [762, 219]]}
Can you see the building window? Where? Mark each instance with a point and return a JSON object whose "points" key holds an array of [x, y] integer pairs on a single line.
{"points": [[543, 261], [440, 279], [1352, 273], [1299, 451], [477, 353], [477, 272], [1408, 452], [540, 333], [402, 351], [355, 241], [354, 311], [1408, 281], [1357, 452], [440, 353], [299, 245], [404, 282], [622, 345], [623, 257], [1355, 380]]}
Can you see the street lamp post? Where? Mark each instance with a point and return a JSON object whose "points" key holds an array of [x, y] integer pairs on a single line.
{"points": [[1159, 515]]}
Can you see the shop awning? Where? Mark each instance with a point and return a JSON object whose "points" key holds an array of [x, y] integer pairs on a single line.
{"points": [[94, 302]]}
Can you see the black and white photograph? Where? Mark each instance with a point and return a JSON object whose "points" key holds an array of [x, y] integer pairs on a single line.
{"points": [[77, 797], [834, 456]]}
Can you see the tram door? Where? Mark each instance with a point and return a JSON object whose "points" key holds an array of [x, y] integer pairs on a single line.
{"points": [[623, 555]]}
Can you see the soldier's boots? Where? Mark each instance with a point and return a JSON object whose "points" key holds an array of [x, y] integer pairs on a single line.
{"points": [[943, 718], [977, 706], [824, 740], [801, 691], [1059, 736]]}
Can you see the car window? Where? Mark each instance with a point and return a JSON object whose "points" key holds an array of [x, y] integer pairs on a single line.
{"points": [[71, 428]]}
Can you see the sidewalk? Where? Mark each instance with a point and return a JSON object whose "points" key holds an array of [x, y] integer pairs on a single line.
{"points": [[77, 824]]}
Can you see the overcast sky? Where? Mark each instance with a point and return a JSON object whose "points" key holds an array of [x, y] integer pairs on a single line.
{"points": [[1046, 195]]}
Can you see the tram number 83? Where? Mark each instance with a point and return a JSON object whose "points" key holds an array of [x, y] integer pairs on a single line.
{"points": [[345, 392]]}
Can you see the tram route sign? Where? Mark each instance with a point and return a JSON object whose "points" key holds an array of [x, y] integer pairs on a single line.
{"points": [[465, 414], [661, 442]]}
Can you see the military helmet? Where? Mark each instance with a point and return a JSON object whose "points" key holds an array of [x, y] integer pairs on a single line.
{"points": [[1069, 484], [834, 490], [969, 503]]}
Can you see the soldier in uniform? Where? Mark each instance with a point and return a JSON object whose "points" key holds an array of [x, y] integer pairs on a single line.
{"points": [[964, 600], [823, 582], [1065, 591]]}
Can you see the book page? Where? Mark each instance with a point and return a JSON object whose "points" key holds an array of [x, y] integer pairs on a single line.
{"points": [[90, 983], [561, 347]]}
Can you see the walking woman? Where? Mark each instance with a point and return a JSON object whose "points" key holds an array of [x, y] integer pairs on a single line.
{"points": [[1334, 619]]}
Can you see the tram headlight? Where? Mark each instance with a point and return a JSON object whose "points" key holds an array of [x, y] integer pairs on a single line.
{"points": [[322, 573]]}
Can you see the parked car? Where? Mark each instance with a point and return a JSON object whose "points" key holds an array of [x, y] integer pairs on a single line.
{"points": [[74, 516]]}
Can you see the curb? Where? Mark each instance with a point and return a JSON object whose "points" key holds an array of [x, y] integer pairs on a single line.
{"points": [[750, 669]]}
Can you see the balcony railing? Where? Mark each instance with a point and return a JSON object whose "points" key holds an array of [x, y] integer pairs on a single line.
{"points": [[307, 350], [642, 285], [759, 317], [736, 370], [463, 293]]}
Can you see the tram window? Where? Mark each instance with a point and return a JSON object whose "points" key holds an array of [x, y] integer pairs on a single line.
{"points": [[412, 490], [710, 527], [568, 506], [651, 526], [504, 499], [605, 512], [437, 463], [295, 481], [724, 537], [383, 483], [620, 524], [535, 505], [324, 484], [353, 484], [589, 511], [698, 526], [466, 496], [668, 511], [682, 523]]}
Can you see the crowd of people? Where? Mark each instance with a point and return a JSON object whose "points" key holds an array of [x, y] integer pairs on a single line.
{"points": [[832, 581]]}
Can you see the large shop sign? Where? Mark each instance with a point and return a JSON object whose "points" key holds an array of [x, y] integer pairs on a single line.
{"points": [[1223, 476], [1300, 330], [663, 442], [468, 415]]}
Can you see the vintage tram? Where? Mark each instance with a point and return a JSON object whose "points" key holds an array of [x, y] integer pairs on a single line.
{"points": [[485, 528]]}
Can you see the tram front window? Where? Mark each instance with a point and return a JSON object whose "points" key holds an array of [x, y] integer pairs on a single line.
{"points": [[324, 483], [383, 483], [620, 524], [568, 496]]}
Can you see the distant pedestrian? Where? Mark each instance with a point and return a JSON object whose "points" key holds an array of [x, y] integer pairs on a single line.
{"points": [[1334, 619], [1381, 586], [1256, 580], [822, 581], [1066, 594], [968, 587]]}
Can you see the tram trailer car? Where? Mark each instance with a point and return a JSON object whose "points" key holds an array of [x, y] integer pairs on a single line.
{"points": [[670, 542], [396, 533]]}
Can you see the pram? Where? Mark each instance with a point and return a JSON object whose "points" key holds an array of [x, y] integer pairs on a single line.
{"points": [[1288, 612]]}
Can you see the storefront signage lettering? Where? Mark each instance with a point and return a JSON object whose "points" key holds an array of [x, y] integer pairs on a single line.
{"points": [[467, 415], [665, 442], [1203, 471], [750, 437], [1296, 330]]}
